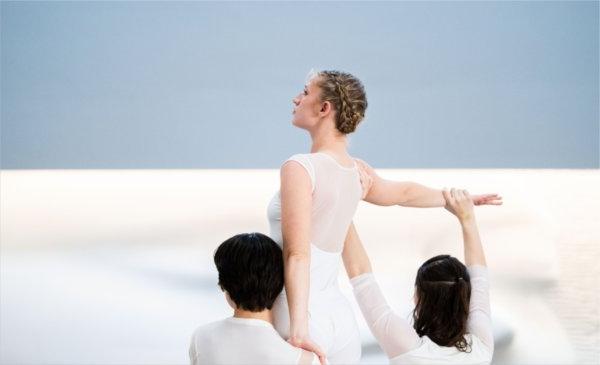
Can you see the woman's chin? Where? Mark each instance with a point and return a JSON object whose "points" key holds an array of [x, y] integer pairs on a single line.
{"points": [[299, 124], [296, 124]]}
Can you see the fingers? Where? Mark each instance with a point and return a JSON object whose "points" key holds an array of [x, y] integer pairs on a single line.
{"points": [[317, 350], [457, 195], [366, 180], [488, 196], [488, 199], [491, 197], [313, 347], [322, 358], [363, 183], [451, 195], [309, 345], [362, 163], [446, 195], [497, 200]]}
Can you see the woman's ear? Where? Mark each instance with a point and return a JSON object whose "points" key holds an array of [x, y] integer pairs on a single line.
{"points": [[326, 108]]}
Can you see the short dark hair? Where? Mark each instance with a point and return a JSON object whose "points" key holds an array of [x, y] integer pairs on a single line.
{"points": [[443, 291], [250, 269]]}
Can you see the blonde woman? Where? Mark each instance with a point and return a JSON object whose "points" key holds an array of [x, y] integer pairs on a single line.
{"points": [[311, 214]]}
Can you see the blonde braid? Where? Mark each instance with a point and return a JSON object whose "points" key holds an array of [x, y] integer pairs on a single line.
{"points": [[345, 116], [348, 97]]}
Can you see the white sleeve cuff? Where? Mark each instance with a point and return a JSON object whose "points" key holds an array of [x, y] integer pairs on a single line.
{"points": [[362, 280], [478, 271]]}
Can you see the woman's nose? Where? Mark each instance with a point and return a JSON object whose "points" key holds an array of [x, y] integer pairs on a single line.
{"points": [[296, 101]]}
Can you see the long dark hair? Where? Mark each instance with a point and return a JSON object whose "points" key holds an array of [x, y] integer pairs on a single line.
{"points": [[443, 291]]}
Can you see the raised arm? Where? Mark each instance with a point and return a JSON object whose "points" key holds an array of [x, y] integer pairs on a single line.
{"points": [[479, 323], [296, 203], [356, 260], [459, 203], [410, 194]]}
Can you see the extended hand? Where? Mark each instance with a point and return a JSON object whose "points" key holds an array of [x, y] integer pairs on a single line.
{"points": [[307, 344], [487, 199], [459, 203]]}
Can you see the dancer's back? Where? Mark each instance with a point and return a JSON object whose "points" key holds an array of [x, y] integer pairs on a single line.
{"points": [[336, 191]]}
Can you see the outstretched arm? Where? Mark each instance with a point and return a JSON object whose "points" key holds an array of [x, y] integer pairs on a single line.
{"points": [[295, 219], [410, 194]]}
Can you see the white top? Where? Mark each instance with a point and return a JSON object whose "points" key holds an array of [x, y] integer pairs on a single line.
{"points": [[402, 344], [336, 191], [243, 341]]}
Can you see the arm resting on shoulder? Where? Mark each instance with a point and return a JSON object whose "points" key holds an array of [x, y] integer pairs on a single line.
{"points": [[296, 203], [405, 193]]}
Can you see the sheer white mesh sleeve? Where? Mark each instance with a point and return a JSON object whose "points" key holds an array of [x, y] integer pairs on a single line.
{"points": [[394, 333]]}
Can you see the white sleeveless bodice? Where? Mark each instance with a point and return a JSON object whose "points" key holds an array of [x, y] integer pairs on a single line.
{"points": [[336, 191]]}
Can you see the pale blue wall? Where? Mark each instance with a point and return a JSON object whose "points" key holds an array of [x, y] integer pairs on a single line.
{"points": [[209, 85]]}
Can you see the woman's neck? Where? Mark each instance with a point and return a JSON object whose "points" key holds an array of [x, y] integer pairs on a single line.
{"points": [[330, 140]]}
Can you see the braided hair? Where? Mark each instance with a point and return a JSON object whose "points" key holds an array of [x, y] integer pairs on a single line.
{"points": [[347, 95]]}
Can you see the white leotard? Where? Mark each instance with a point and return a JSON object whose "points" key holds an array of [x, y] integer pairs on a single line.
{"points": [[402, 344], [336, 191]]}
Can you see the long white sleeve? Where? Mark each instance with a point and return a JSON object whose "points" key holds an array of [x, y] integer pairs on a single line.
{"points": [[396, 336], [394, 333], [479, 323]]}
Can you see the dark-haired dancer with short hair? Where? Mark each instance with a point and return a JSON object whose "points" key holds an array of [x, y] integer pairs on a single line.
{"points": [[452, 323], [250, 269]]}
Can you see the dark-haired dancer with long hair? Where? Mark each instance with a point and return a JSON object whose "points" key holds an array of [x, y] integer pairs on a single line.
{"points": [[451, 319]]}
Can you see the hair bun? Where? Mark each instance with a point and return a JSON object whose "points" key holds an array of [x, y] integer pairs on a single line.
{"points": [[348, 97]]}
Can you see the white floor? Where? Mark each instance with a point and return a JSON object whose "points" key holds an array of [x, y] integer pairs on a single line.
{"points": [[105, 267]]}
